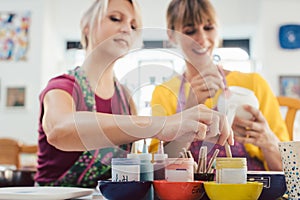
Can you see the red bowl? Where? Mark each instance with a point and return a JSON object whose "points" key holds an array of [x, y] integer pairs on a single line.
{"points": [[167, 190]]}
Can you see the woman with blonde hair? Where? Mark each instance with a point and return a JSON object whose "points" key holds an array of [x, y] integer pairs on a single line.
{"points": [[87, 116]]}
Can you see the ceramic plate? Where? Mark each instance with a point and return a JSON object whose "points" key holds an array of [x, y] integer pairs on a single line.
{"points": [[50, 193]]}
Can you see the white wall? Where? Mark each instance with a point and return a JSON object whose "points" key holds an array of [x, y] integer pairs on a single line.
{"points": [[55, 21], [22, 123], [277, 61]]}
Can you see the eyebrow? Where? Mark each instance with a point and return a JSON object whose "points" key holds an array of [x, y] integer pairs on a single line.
{"points": [[189, 24]]}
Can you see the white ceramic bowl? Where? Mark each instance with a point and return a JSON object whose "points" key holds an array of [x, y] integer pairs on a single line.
{"points": [[238, 97]]}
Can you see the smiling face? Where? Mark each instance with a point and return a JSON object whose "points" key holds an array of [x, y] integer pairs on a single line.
{"points": [[116, 32], [197, 42], [194, 29]]}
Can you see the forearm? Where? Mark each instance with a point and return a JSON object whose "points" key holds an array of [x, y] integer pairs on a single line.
{"points": [[86, 131], [272, 157]]}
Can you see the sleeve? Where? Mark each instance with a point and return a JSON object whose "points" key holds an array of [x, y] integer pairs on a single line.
{"points": [[163, 103], [270, 108], [68, 84]]}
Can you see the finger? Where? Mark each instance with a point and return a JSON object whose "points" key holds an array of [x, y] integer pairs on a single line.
{"points": [[244, 140], [213, 71], [225, 130], [240, 130], [247, 124], [196, 129], [255, 112], [207, 79], [210, 83], [214, 127], [201, 132]]}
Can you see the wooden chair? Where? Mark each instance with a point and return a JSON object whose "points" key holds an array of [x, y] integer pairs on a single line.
{"points": [[293, 105], [9, 152], [31, 149]]}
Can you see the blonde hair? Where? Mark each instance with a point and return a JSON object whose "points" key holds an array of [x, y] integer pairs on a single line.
{"points": [[181, 12], [95, 13]]}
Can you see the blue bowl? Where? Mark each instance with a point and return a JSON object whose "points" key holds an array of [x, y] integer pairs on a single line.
{"points": [[273, 181], [133, 190]]}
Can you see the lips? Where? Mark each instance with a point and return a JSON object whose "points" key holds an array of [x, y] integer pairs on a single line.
{"points": [[200, 50], [122, 41]]}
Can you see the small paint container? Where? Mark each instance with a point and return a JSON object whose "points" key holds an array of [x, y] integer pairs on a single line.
{"points": [[146, 166], [159, 166], [125, 169], [179, 169], [231, 170]]}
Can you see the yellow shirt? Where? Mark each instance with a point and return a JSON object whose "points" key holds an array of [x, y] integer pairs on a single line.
{"points": [[165, 96]]}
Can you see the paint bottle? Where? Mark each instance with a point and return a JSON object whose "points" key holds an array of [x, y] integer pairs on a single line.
{"points": [[146, 167], [125, 169], [159, 163]]}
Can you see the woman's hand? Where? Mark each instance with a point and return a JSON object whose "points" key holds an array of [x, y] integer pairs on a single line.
{"points": [[204, 85], [256, 131], [197, 123]]}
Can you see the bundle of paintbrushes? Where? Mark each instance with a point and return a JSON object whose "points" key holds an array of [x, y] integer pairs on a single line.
{"points": [[202, 166]]}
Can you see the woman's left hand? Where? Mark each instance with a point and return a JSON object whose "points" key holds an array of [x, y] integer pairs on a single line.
{"points": [[255, 130]]}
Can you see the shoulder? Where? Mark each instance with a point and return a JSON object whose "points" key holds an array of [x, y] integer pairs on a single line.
{"points": [[243, 75], [171, 85], [63, 82], [248, 80]]}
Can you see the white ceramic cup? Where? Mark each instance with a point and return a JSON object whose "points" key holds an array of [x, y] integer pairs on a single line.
{"points": [[290, 156]]}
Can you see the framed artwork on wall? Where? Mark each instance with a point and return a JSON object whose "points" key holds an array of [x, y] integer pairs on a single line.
{"points": [[290, 86], [14, 35], [15, 97]]}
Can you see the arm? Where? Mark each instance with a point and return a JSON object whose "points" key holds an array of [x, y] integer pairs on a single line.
{"points": [[164, 103], [269, 125], [69, 130]]}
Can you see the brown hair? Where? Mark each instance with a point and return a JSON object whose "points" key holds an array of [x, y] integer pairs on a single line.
{"points": [[95, 13], [181, 12]]}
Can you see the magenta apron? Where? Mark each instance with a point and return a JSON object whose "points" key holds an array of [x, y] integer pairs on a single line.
{"points": [[94, 165], [238, 150]]}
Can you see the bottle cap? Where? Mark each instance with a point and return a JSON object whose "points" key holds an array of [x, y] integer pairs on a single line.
{"points": [[140, 156]]}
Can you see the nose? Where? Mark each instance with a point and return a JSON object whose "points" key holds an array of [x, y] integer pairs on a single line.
{"points": [[201, 36], [126, 27]]}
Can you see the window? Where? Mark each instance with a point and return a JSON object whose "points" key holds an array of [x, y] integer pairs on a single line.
{"points": [[234, 59]]}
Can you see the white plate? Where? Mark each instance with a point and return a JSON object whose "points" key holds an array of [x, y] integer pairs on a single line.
{"points": [[50, 193]]}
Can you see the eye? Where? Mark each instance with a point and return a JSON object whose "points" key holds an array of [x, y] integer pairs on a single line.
{"points": [[115, 18], [189, 31], [208, 27]]}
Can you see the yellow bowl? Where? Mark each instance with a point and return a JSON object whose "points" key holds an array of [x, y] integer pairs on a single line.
{"points": [[220, 191]]}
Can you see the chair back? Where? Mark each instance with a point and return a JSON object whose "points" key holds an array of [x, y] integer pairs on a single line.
{"points": [[9, 152], [293, 105]]}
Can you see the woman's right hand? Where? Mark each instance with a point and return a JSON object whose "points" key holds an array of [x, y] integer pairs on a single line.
{"points": [[197, 123], [204, 85]]}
